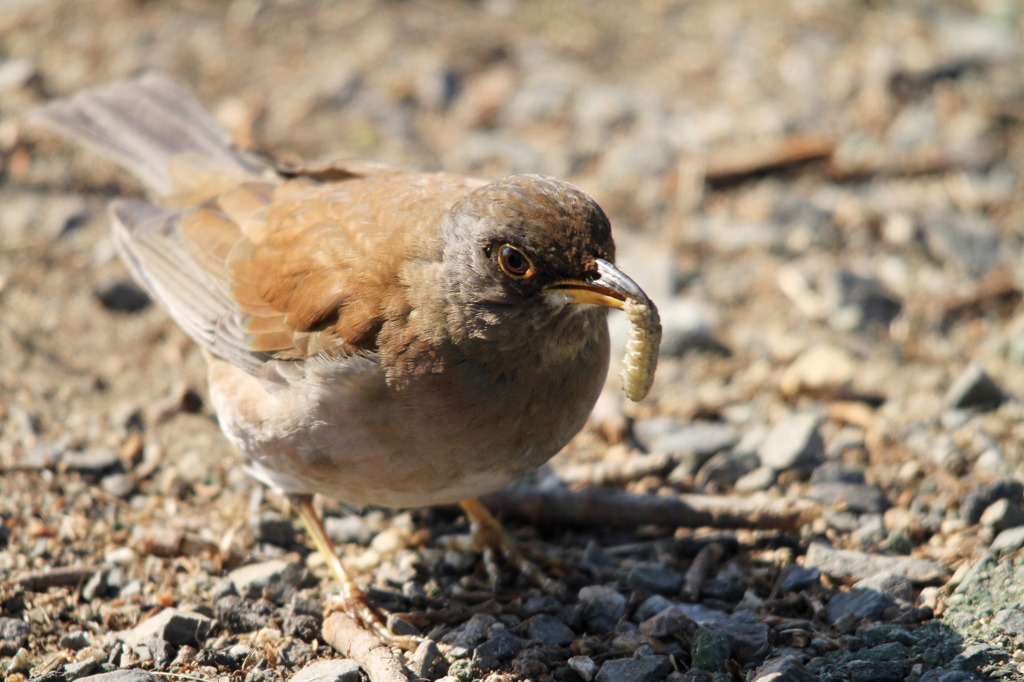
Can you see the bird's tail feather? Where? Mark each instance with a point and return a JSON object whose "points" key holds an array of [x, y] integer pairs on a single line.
{"points": [[144, 125]]}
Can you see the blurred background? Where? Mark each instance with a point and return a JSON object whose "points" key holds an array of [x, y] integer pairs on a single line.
{"points": [[825, 198]]}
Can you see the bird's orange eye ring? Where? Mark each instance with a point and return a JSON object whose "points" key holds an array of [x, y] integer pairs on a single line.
{"points": [[514, 263]]}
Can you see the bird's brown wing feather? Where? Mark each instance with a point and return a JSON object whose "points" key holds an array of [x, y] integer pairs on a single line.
{"points": [[280, 261]]}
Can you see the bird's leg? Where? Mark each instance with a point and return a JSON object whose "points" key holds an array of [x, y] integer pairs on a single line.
{"points": [[489, 537], [352, 600]]}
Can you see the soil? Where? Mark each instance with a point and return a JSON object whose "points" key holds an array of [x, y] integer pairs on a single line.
{"points": [[825, 199]]}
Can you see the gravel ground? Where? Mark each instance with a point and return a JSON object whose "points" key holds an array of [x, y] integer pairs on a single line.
{"points": [[825, 199]]}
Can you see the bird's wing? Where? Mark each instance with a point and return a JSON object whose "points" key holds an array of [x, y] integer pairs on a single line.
{"points": [[285, 271]]}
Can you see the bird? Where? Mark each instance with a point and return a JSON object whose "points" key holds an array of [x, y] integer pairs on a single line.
{"points": [[373, 334]]}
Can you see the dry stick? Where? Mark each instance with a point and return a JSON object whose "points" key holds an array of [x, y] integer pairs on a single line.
{"points": [[701, 568], [376, 659], [62, 576], [738, 162], [607, 507]]}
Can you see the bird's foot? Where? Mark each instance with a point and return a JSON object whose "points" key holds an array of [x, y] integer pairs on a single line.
{"points": [[489, 537], [351, 600], [357, 605]]}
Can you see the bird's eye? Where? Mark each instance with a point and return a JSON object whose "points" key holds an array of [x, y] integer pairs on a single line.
{"points": [[514, 262]]}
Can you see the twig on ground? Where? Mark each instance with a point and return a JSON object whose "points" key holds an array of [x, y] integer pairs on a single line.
{"points": [[372, 655], [602, 506], [701, 568], [37, 581], [736, 163]]}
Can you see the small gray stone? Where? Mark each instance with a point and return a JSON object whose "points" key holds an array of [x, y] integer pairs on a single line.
{"points": [[121, 676], [650, 607], [602, 608], [92, 461], [122, 296], [974, 389], [977, 499], [79, 639], [256, 674], [704, 615], [173, 625], [978, 575], [991, 462], [747, 635], [667, 622], [40, 455], [80, 669], [821, 367], [794, 443], [834, 483], [60, 215], [887, 634], [19, 661], [691, 444], [334, 670], [722, 588], [859, 604], [854, 565], [401, 627], [710, 650], [948, 676], [279, 578], [95, 587], [238, 614], [843, 521], [299, 605], [1010, 621], [572, 616], [968, 240], [292, 653], [250, 579], [594, 555], [238, 652], [348, 529], [500, 646], [163, 653], [947, 454], [14, 631], [787, 669], [1009, 540], [423, 660], [871, 530], [15, 72], [273, 528], [878, 671], [472, 632], [977, 655], [584, 666], [644, 669], [301, 626], [542, 603], [547, 629], [118, 485], [860, 302], [686, 325], [224, 588], [800, 578], [760, 478], [654, 578], [893, 584], [723, 470]]}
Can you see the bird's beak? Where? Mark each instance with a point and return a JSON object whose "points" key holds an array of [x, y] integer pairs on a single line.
{"points": [[611, 289]]}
